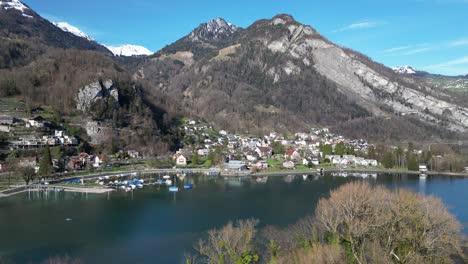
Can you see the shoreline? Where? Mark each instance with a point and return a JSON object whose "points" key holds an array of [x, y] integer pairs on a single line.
{"points": [[357, 170], [101, 190]]}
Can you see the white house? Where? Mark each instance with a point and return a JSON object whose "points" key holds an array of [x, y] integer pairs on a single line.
{"points": [[203, 152], [422, 168], [262, 164], [97, 161], [264, 152], [181, 160]]}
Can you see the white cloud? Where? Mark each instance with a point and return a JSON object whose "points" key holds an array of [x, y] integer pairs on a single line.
{"points": [[392, 50], [359, 25], [408, 50], [416, 51], [459, 61], [458, 43]]}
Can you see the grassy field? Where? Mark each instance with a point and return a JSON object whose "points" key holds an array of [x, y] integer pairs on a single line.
{"points": [[12, 105]]}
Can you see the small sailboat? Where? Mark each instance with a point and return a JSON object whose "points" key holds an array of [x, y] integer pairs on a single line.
{"points": [[166, 177], [188, 186], [168, 182]]}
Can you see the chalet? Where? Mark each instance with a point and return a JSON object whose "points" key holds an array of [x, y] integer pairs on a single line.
{"points": [[180, 159], [264, 152], [292, 154], [36, 122], [288, 165]]}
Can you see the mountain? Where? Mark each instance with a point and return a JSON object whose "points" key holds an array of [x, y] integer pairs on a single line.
{"points": [[206, 38], [404, 70], [129, 50], [279, 74], [72, 29], [16, 5]]}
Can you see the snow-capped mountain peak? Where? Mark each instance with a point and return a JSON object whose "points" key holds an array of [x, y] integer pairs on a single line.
{"points": [[13, 4], [129, 50], [72, 29], [215, 29], [404, 70]]}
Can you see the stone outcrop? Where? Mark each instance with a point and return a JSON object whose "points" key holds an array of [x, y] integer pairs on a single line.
{"points": [[96, 91]]}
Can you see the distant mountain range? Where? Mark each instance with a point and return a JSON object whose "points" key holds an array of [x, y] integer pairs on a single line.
{"points": [[276, 74], [457, 83]]}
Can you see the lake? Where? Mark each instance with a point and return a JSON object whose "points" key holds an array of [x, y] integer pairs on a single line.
{"points": [[152, 225]]}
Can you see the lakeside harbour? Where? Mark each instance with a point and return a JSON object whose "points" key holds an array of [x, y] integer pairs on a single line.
{"points": [[150, 173]]}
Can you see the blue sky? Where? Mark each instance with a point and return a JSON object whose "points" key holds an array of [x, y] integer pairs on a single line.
{"points": [[430, 35]]}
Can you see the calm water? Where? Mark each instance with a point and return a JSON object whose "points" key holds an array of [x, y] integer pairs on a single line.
{"points": [[154, 226]]}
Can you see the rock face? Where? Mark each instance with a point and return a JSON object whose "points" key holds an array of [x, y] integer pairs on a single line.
{"points": [[96, 91], [216, 29], [97, 132]]}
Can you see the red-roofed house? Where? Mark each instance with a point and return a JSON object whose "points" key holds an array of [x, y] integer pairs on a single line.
{"points": [[292, 154]]}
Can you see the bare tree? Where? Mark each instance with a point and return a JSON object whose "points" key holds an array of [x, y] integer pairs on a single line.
{"points": [[230, 244], [27, 173], [407, 226]]}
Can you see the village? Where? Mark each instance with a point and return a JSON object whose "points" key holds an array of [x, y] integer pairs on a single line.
{"points": [[272, 152]]}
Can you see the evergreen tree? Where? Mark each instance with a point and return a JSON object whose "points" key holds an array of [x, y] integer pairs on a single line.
{"points": [[371, 153], [340, 149], [278, 148], [326, 149], [195, 158], [412, 163], [45, 165], [388, 160]]}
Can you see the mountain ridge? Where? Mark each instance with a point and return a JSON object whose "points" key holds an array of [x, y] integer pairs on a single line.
{"points": [[277, 74]]}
